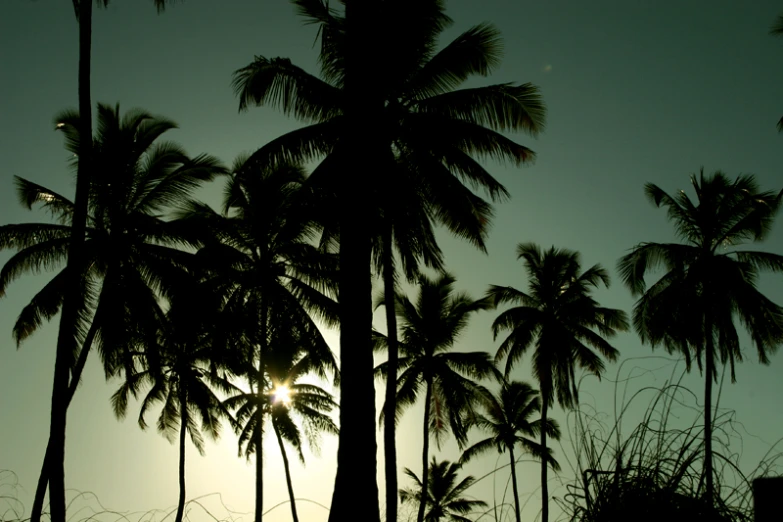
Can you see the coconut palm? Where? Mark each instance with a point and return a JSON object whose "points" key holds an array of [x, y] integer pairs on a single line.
{"points": [[444, 498], [509, 422], [401, 96], [558, 317], [67, 335], [283, 400], [262, 260], [407, 230], [125, 254], [709, 282], [181, 374], [430, 328]]}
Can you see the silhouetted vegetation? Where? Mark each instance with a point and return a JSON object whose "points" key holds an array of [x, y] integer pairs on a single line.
{"points": [[215, 315], [656, 471]]}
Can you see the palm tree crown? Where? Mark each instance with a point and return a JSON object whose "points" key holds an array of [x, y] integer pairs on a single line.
{"points": [[445, 498], [508, 421], [430, 328], [131, 250], [560, 318]]}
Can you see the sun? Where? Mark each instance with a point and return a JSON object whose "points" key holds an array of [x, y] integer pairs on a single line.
{"points": [[281, 394]]}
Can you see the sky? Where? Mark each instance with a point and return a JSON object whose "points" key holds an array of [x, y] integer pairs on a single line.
{"points": [[637, 91]]}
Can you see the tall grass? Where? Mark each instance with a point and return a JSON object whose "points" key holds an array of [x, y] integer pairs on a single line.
{"points": [[655, 471], [11, 508]]}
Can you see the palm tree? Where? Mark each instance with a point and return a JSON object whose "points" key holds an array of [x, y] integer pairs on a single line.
{"points": [[263, 264], [125, 252], [444, 495], [53, 468], [400, 95], [560, 318], [508, 423], [430, 328], [283, 399], [404, 237], [181, 373], [692, 308]]}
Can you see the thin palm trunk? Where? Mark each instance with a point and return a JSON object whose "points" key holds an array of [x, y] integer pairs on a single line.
{"points": [[514, 479], [356, 454], [287, 472], [357, 451], [260, 415], [544, 485], [76, 375], [183, 416], [389, 443], [43, 481], [709, 370], [425, 454], [66, 336]]}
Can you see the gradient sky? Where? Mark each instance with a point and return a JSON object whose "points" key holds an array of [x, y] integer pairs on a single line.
{"points": [[637, 91]]}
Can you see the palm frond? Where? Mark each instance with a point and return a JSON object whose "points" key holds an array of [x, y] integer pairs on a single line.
{"points": [[281, 84]]}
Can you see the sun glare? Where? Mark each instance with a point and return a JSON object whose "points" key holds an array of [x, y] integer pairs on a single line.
{"points": [[281, 394]]}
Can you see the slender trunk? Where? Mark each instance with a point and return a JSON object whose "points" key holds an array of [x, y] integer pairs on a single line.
{"points": [[76, 375], [514, 479], [43, 481], [389, 443], [357, 450], [183, 417], [425, 454], [66, 337], [287, 471], [709, 370], [544, 485], [260, 415]]}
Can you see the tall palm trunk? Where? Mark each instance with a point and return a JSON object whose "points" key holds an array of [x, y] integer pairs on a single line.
{"points": [[709, 370], [76, 375], [389, 443], [425, 453], [287, 471], [262, 346], [544, 485], [514, 479], [183, 420], [66, 336], [357, 451]]}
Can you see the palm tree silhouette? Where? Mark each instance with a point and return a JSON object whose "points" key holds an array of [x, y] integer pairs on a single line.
{"points": [[181, 373], [430, 328], [444, 494], [406, 226], [125, 253], [508, 421], [401, 96], [67, 343], [283, 400], [562, 321], [692, 308], [262, 262]]}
